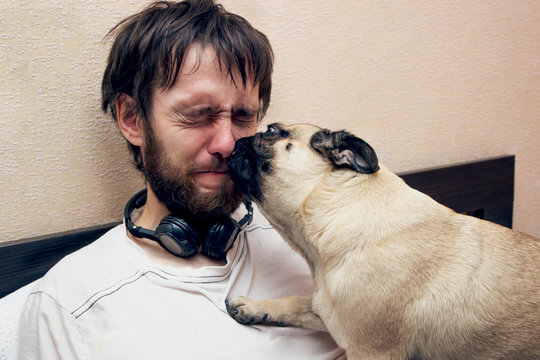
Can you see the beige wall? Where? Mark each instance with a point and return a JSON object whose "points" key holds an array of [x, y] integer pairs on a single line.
{"points": [[426, 83]]}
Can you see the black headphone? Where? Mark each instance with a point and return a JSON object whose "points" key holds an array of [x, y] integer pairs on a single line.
{"points": [[177, 237]]}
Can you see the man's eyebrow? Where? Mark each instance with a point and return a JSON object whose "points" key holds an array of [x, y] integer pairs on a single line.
{"points": [[201, 109], [193, 109], [245, 110]]}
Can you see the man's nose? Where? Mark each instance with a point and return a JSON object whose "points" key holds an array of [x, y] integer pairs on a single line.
{"points": [[223, 139]]}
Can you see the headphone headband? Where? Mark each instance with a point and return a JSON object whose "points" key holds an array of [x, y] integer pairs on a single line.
{"points": [[136, 202], [176, 236]]}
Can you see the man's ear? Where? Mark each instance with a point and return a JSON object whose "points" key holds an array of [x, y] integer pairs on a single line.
{"points": [[129, 121], [346, 150]]}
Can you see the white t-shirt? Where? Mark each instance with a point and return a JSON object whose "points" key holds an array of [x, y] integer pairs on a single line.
{"points": [[109, 301]]}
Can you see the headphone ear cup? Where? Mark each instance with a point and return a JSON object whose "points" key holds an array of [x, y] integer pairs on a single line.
{"points": [[220, 238], [177, 237]]}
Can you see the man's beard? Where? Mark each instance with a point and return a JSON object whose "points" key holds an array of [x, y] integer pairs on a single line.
{"points": [[176, 189]]}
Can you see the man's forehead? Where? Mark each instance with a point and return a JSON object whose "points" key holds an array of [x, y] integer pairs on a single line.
{"points": [[200, 55]]}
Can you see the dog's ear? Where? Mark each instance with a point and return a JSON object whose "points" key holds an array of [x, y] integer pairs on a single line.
{"points": [[345, 149]]}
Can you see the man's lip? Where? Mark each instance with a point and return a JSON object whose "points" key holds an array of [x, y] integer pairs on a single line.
{"points": [[221, 171]]}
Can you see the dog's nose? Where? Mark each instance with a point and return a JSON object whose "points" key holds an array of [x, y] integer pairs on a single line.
{"points": [[243, 144], [257, 141]]}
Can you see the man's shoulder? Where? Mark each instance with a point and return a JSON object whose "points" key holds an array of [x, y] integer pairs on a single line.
{"points": [[92, 255], [87, 271]]}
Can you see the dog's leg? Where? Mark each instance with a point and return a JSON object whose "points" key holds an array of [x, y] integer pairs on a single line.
{"points": [[285, 311]]}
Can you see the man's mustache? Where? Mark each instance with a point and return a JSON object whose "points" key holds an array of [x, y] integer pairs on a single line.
{"points": [[217, 164]]}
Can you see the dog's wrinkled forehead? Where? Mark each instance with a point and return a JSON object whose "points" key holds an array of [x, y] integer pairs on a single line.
{"points": [[341, 148], [299, 132]]}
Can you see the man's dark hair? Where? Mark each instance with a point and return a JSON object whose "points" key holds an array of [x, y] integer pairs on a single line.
{"points": [[149, 48]]}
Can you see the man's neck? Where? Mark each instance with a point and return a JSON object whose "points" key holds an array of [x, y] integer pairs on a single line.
{"points": [[153, 211], [150, 218]]}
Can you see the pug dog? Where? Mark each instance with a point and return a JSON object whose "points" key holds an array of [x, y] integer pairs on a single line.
{"points": [[396, 275]]}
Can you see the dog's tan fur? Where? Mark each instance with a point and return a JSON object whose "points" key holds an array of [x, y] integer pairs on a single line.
{"points": [[396, 274]]}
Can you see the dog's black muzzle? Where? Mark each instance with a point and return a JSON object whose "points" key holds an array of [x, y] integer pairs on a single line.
{"points": [[245, 164]]}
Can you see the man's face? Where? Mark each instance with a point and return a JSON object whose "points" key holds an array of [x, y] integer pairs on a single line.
{"points": [[193, 128]]}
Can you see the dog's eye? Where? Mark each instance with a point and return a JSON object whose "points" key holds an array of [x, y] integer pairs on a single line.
{"points": [[274, 132], [271, 129]]}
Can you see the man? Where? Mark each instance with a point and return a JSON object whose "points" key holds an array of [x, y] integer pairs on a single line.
{"points": [[184, 81]]}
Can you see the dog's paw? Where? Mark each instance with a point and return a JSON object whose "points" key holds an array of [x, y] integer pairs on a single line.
{"points": [[244, 310]]}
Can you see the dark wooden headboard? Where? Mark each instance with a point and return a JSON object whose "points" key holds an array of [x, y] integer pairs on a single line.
{"points": [[484, 189]]}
